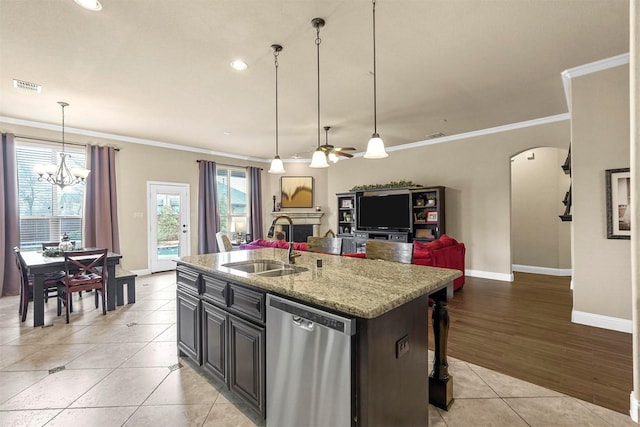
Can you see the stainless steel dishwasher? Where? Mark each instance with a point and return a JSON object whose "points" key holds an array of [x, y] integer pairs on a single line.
{"points": [[309, 366]]}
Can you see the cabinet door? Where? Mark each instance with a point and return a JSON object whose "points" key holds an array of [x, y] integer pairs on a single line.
{"points": [[214, 341], [247, 362], [188, 318]]}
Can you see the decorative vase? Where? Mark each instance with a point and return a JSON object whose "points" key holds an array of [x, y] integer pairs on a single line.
{"points": [[65, 244]]}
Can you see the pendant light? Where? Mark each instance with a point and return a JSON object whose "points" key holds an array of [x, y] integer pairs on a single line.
{"points": [[375, 147], [276, 164], [333, 158], [61, 175], [319, 159]]}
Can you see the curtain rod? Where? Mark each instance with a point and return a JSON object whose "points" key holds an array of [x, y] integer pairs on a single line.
{"points": [[225, 164], [33, 138]]}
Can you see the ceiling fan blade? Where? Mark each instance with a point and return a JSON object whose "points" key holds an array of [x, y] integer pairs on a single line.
{"points": [[340, 153], [344, 148]]}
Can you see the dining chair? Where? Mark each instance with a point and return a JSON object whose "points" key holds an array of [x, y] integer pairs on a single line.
{"points": [[84, 270], [51, 281], [54, 290], [327, 245], [389, 251], [224, 244]]}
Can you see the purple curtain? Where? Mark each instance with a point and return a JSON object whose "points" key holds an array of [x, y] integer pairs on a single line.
{"points": [[101, 204], [208, 218], [255, 209], [10, 230]]}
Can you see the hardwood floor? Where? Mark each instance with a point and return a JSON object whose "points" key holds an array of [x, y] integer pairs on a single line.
{"points": [[523, 329]]}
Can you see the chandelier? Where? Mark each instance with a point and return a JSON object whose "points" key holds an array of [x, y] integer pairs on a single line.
{"points": [[61, 175]]}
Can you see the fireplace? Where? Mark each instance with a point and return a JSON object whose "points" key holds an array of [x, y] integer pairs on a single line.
{"points": [[305, 224]]}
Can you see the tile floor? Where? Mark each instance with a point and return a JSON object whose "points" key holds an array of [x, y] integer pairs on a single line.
{"points": [[123, 369]]}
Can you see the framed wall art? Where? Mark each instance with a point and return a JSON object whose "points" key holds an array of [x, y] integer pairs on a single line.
{"points": [[296, 191], [618, 185]]}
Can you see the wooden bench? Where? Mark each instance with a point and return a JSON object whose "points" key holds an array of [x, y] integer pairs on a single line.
{"points": [[125, 277]]}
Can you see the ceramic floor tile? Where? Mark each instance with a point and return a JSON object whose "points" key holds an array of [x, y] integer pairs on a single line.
{"points": [[54, 334], [169, 415], [94, 417], [92, 334], [435, 419], [56, 390], [558, 411], [467, 384], [135, 333], [48, 357], [27, 418], [13, 353], [184, 386], [229, 415], [171, 334], [110, 355], [12, 383], [160, 317], [506, 386], [148, 304], [154, 354], [612, 417], [482, 412], [123, 387]]}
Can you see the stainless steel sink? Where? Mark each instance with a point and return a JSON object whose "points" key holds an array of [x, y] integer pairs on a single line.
{"points": [[264, 267]]}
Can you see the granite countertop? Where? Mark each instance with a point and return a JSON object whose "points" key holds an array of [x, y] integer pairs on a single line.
{"points": [[358, 287]]}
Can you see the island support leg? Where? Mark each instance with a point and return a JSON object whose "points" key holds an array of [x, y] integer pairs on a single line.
{"points": [[440, 382]]}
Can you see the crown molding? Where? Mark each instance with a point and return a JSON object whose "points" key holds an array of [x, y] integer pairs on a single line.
{"points": [[592, 67]]}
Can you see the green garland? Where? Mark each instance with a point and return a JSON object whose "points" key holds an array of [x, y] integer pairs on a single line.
{"points": [[392, 184]]}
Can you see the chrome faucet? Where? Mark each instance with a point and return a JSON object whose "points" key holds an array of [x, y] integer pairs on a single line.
{"points": [[292, 255]]}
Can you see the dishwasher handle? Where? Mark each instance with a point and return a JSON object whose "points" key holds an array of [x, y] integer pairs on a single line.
{"points": [[305, 324]]}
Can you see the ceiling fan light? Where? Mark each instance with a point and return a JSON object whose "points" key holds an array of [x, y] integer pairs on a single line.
{"points": [[93, 5], [277, 167], [319, 159], [333, 158], [375, 148]]}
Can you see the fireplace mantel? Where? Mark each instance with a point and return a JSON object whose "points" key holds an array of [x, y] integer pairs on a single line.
{"points": [[300, 217]]}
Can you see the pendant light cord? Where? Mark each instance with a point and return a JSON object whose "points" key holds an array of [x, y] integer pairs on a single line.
{"points": [[276, 52], [318, 41], [375, 110]]}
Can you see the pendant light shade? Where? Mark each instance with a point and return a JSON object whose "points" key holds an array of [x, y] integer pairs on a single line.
{"points": [[319, 159], [375, 147], [276, 164]]}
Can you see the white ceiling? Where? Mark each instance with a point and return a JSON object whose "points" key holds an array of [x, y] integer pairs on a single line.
{"points": [[159, 69]]}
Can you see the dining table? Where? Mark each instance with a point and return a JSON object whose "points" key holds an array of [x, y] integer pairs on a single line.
{"points": [[38, 265]]}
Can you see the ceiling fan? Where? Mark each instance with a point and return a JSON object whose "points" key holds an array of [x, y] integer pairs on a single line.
{"points": [[331, 151]]}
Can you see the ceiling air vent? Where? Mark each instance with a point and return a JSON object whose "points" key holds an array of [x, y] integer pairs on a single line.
{"points": [[435, 135], [31, 87]]}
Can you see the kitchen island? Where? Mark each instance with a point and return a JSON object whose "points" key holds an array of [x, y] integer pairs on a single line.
{"points": [[222, 315]]}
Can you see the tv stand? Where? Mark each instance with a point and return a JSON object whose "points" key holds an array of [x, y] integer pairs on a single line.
{"points": [[361, 237]]}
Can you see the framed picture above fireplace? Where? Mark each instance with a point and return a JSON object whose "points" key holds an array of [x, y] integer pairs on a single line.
{"points": [[296, 191]]}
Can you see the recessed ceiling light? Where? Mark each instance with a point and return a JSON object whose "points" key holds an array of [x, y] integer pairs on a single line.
{"points": [[239, 65], [32, 87], [93, 5]]}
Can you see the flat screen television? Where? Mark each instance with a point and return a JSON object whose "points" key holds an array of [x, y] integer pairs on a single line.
{"points": [[384, 212]]}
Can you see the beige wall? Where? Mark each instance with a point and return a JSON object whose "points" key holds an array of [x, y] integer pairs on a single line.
{"points": [[477, 174], [600, 135], [538, 185]]}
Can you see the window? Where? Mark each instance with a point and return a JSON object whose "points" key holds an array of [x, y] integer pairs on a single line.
{"points": [[47, 212], [233, 200]]}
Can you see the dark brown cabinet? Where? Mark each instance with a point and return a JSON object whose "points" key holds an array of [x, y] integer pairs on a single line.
{"points": [[188, 316], [221, 327], [214, 341], [347, 220], [247, 361], [428, 213]]}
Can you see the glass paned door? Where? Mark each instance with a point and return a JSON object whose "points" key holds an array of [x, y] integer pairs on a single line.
{"points": [[168, 214]]}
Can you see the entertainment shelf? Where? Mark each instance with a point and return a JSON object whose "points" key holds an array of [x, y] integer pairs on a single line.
{"points": [[421, 219]]}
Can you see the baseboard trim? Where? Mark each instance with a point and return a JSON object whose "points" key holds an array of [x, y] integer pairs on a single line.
{"points": [[600, 321], [634, 408], [542, 270], [489, 275]]}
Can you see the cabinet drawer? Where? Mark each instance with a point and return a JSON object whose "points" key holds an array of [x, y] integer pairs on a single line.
{"points": [[247, 301], [215, 289], [362, 235], [189, 279], [398, 238]]}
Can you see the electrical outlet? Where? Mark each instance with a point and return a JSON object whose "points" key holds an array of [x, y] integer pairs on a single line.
{"points": [[402, 346]]}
